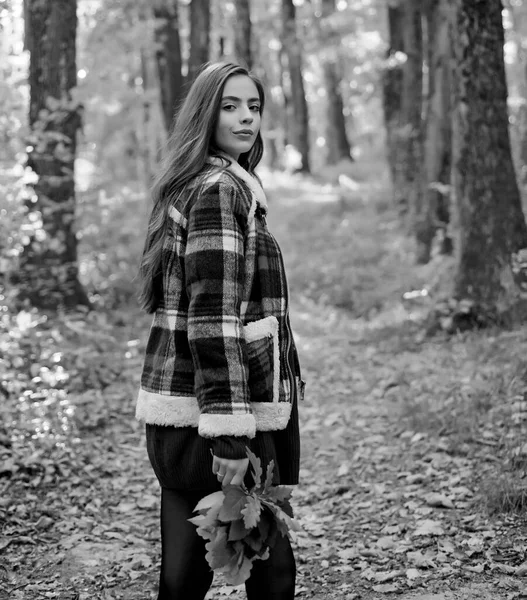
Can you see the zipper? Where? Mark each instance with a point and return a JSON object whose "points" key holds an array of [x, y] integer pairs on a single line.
{"points": [[289, 332], [292, 378]]}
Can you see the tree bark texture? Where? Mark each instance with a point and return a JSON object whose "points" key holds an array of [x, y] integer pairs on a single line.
{"points": [[199, 37], [434, 214], [293, 51], [337, 144], [49, 264], [490, 224], [392, 97], [411, 108], [242, 33], [518, 15], [168, 57], [150, 124]]}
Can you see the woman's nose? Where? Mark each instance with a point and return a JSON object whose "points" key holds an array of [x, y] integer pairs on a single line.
{"points": [[246, 116]]}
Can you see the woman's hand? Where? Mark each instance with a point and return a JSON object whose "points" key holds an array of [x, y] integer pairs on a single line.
{"points": [[229, 472]]}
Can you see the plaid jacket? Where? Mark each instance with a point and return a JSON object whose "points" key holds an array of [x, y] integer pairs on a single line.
{"points": [[220, 354]]}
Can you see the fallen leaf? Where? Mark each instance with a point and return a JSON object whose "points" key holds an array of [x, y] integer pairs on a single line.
{"points": [[438, 500], [419, 559], [429, 527], [385, 542], [385, 588], [344, 469], [479, 568], [383, 576]]}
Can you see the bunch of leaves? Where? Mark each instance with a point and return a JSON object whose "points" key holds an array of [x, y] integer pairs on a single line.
{"points": [[241, 525]]}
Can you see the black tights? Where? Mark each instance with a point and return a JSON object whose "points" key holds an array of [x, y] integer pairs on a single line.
{"points": [[185, 573]]}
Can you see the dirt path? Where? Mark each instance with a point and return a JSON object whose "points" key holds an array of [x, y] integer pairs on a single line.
{"points": [[387, 510]]}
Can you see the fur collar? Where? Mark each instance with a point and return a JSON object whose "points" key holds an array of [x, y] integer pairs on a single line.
{"points": [[236, 169]]}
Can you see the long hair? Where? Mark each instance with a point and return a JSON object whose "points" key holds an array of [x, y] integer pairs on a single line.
{"points": [[189, 144]]}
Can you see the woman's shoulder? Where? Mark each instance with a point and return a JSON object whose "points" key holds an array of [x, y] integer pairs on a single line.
{"points": [[212, 181], [213, 176]]}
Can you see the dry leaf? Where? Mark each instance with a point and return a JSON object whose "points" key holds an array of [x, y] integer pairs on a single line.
{"points": [[383, 576], [479, 568], [385, 588], [429, 527], [419, 559], [438, 500], [385, 542]]}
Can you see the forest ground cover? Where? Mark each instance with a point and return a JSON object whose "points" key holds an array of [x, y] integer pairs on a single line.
{"points": [[414, 448]]}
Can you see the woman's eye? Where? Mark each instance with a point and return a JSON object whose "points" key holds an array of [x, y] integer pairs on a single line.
{"points": [[255, 108], [229, 107]]}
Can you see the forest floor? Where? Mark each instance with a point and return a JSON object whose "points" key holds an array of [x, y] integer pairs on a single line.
{"points": [[414, 448]]}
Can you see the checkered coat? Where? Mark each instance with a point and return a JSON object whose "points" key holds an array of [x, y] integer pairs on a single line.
{"points": [[220, 354]]}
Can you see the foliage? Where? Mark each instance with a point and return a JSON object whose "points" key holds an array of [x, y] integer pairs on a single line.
{"points": [[241, 524]]}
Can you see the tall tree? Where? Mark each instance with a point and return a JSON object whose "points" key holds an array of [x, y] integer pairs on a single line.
{"points": [[490, 222], [411, 108], [242, 33], [168, 57], [199, 36], [337, 144], [299, 113], [392, 97], [403, 103], [518, 16], [437, 144], [49, 264]]}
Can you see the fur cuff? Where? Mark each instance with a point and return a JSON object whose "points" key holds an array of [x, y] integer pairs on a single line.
{"points": [[271, 416], [158, 409]]}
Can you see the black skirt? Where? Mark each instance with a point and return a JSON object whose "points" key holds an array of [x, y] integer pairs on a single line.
{"points": [[182, 459]]}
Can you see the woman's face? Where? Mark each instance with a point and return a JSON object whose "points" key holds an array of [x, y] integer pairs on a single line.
{"points": [[239, 118]]}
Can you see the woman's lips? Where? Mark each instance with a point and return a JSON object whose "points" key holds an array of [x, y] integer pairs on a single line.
{"points": [[244, 134]]}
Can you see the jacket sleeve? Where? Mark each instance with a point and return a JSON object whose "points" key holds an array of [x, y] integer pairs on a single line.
{"points": [[214, 274]]}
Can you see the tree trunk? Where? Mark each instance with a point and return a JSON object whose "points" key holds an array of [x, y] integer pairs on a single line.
{"points": [[490, 222], [403, 103], [49, 264], [199, 37], [438, 134], [412, 107], [337, 144], [518, 15], [149, 139], [242, 33], [168, 57], [392, 98], [300, 128]]}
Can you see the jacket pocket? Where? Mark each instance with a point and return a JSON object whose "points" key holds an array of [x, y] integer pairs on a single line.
{"points": [[263, 354]]}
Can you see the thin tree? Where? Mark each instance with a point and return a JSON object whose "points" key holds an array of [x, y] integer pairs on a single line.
{"points": [[242, 33], [392, 97], [49, 264], [490, 224], [437, 145], [411, 109], [518, 15], [299, 112], [168, 57], [337, 143], [199, 37], [403, 102]]}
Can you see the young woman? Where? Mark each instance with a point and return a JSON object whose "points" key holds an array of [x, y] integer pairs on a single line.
{"points": [[221, 369]]}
